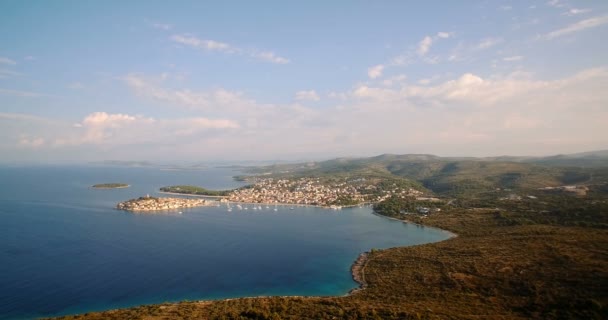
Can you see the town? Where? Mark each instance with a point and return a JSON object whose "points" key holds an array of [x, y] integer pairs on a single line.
{"points": [[333, 193], [148, 203]]}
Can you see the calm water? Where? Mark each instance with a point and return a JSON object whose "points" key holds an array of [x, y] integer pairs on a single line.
{"points": [[64, 249]]}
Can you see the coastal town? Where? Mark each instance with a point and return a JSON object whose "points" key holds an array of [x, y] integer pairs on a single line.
{"points": [[315, 191], [148, 203], [330, 193]]}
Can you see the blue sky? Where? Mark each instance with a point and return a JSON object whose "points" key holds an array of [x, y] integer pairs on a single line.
{"points": [[175, 81]]}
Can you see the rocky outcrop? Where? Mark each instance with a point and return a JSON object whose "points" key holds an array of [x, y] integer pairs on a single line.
{"points": [[358, 272]]}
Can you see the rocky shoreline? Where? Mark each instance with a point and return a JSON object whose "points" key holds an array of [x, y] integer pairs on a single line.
{"points": [[358, 272], [155, 204]]}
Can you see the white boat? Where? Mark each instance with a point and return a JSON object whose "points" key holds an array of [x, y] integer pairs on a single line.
{"points": [[238, 206]]}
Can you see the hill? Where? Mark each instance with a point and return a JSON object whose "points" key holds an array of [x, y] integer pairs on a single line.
{"points": [[451, 176]]}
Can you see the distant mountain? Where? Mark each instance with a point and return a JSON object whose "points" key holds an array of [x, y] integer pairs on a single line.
{"points": [[584, 159]]}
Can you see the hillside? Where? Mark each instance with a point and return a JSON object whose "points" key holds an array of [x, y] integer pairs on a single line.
{"points": [[459, 176]]}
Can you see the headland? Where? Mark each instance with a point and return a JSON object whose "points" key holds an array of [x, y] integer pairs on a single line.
{"points": [[148, 203]]}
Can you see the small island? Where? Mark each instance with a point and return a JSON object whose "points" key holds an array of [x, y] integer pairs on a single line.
{"points": [[110, 185], [148, 203], [194, 190]]}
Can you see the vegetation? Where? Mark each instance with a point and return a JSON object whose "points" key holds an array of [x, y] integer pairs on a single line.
{"points": [[522, 251], [453, 177], [398, 207], [110, 185], [195, 191]]}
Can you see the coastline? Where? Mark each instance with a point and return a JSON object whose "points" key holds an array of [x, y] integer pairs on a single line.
{"points": [[121, 187], [449, 233], [265, 203], [357, 271], [190, 195]]}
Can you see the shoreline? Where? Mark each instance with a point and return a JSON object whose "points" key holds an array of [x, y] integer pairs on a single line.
{"points": [[267, 203], [357, 271], [449, 233], [189, 194], [121, 187]]}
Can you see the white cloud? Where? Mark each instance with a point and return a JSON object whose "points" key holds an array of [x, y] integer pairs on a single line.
{"points": [[375, 71], [577, 27], [468, 114], [304, 95], [212, 45], [101, 128], [219, 102], [394, 80], [513, 58], [487, 43], [555, 4], [270, 57], [424, 46], [443, 35], [211, 100], [576, 11], [5, 60]]}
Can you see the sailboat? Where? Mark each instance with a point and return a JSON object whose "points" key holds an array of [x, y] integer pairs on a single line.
{"points": [[275, 207]]}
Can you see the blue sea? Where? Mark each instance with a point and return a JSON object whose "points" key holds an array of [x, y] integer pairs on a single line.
{"points": [[64, 249]]}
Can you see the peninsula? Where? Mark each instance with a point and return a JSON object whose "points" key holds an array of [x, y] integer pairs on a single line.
{"points": [[194, 190], [148, 203], [110, 185]]}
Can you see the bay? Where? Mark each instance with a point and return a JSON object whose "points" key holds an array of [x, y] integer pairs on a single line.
{"points": [[64, 249]]}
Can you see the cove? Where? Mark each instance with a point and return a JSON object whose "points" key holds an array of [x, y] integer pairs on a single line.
{"points": [[65, 250]]}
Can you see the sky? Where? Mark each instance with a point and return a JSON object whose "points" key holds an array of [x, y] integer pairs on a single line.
{"points": [[286, 80]]}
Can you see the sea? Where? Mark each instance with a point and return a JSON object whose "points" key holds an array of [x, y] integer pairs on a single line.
{"points": [[65, 249]]}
